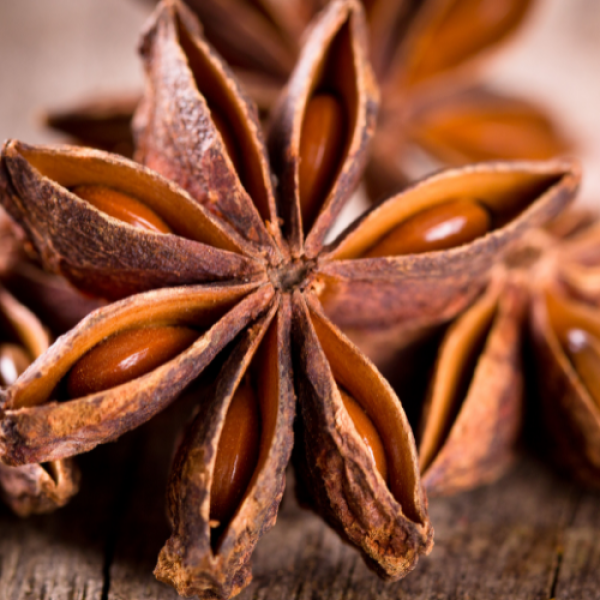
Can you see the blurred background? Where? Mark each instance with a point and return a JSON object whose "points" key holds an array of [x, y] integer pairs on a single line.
{"points": [[56, 53]]}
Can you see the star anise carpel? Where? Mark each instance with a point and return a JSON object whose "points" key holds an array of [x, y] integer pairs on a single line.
{"points": [[215, 246], [31, 488], [527, 344], [427, 57]]}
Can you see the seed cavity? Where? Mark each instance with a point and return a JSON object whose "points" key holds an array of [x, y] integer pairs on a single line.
{"points": [[322, 142], [122, 206], [229, 139], [237, 457], [447, 225], [13, 361], [367, 432], [126, 356]]}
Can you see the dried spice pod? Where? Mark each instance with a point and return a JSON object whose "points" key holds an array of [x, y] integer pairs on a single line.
{"points": [[434, 109], [41, 422], [474, 411], [240, 267], [32, 488], [426, 56], [211, 544], [384, 517], [425, 289]]}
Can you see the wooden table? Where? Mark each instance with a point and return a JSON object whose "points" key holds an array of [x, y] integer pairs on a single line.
{"points": [[530, 536]]}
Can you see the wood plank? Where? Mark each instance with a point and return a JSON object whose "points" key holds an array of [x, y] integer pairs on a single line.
{"points": [[62, 556], [496, 542], [579, 567]]}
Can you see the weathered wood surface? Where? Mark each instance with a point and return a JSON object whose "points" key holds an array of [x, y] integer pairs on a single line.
{"points": [[531, 536]]}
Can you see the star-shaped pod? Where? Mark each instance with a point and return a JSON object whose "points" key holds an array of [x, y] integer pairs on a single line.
{"points": [[435, 111], [204, 255], [528, 344], [31, 488]]}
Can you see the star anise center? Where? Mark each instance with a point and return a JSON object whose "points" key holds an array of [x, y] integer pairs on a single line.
{"points": [[292, 275]]}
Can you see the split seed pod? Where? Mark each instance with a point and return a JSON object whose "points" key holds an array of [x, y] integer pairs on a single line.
{"points": [[426, 57], [475, 404], [435, 111], [565, 330], [238, 269], [474, 414], [31, 488]]}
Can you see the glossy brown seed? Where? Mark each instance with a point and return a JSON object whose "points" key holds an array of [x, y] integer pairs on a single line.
{"points": [[13, 361], [126, 356], [366, 430], [440, 227], [121, 206], [321, 145], [583, 350], [229, 139], [237, 455]]}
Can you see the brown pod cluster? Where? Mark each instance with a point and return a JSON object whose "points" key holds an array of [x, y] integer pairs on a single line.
{"points": [[426, 55], [243, 271], [565, 329], [31, 488], [542, 296]]}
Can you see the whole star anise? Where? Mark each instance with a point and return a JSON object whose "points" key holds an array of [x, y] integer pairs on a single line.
{"points": [[228, 258], [434, 109], [32, 488], [529, 343]]}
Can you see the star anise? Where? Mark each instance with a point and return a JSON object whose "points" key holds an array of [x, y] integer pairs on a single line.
{"points": [[426, 55], [32, 488], [227, 257], [544, 296]]}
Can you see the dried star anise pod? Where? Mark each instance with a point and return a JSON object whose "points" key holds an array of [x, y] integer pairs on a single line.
{"points": [[219, 262], [434, 110], [31, 488], [543, 297], [565, 330]]}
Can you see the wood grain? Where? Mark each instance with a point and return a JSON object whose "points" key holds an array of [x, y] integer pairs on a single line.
{"points": [[532, 535]]}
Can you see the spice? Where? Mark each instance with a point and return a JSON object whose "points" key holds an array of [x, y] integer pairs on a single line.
{"points": [[242, 269], [31, 488], [564, 330], [434, 111]]}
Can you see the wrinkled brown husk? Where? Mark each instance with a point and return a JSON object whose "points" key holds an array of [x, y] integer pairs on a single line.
{"points": [[381, 302], [76, 240], [188, 561], [351, 77], [334, 468], [37, 428], [481, 439], [185, 146]]}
